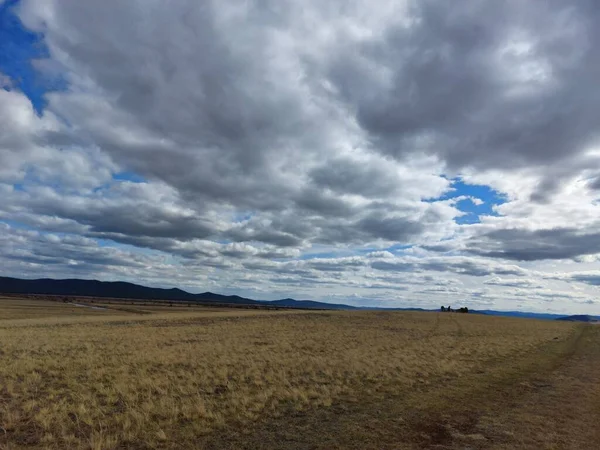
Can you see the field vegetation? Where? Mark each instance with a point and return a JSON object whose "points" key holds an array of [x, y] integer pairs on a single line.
{"points": [[75, 377]]}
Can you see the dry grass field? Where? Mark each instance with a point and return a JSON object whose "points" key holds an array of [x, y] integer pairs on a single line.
{"points": [[14, 309], [75, 377]]}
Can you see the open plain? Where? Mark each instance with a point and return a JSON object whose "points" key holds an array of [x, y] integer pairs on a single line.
{"points": [[200, 377]]}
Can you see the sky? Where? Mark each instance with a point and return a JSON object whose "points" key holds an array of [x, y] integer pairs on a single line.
{"points": [[391, 153]]}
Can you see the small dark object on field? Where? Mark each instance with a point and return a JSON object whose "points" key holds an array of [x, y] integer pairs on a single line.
{"points": [[460, 310]]}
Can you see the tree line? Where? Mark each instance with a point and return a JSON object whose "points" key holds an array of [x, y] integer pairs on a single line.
{"points": [[449, 309]]}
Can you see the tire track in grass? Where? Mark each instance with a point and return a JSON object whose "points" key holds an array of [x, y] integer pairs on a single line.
{"points": [[560, 411]]}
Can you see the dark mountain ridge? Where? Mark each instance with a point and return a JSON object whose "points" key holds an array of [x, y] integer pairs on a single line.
{"points": [[124, 290], [108, 289]]}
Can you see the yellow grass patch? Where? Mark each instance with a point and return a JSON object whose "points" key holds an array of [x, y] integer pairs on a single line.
{"points": [[156, 380]]}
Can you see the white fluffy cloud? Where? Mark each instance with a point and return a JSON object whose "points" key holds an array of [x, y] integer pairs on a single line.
{"points": [[308, 149]]}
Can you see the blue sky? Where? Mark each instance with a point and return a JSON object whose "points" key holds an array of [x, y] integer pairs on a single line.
{"points": [[486, 194], [19, 47], [128, 176]]}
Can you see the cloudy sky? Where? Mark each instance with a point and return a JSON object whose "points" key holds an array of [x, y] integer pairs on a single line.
{"points": [[387, 153]]}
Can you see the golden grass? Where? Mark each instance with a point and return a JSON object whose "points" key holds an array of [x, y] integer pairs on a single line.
{"points": [[162, 380], [148, 308], [15, 308], [12, 308]]}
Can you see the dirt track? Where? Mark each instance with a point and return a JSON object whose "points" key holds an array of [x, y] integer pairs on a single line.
{"points": [[546, 400]]}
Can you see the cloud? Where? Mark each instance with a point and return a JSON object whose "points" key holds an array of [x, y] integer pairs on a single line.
{"points": [[309, 149], [457, 264], [467, 80], [513, 282], [524, 245], [591, 277], [20, 134], [78, 253]]}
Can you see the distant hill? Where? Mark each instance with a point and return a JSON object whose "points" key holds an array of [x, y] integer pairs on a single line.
{"points": [[543, 316], [117, 289], [523, 314], [580, 318], [120, 289], [309, 304]]}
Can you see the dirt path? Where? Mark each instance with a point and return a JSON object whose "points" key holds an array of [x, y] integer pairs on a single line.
{"points": [[548, 399], [561, 410]]}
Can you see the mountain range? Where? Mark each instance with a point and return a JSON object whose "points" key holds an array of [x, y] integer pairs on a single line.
{"points": [[581, 318], [124, 290]]}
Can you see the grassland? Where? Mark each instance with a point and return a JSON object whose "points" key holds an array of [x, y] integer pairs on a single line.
{"points": [[73, 377], [12, 308]]}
